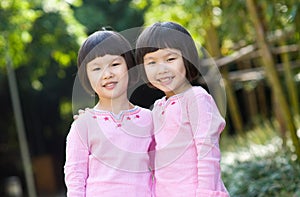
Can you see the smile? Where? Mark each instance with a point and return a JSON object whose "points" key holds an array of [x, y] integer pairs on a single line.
{"points": [[165, 80], [109, 85]]}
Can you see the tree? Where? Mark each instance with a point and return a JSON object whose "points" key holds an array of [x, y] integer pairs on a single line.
{"points": [[117, 14], [202, 20], [15, 29], [271, 72], [43, 39], [228, 25], [16, 38]]}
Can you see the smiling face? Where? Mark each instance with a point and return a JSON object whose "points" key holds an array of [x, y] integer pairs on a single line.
{"points": [[108, 76], [166, 71]]}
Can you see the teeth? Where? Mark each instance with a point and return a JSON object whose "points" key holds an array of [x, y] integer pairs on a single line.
{"points": [[109, 85], [165, 79]]}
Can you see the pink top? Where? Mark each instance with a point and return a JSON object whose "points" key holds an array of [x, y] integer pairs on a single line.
{"points": [[107, 155], [187, 159]]}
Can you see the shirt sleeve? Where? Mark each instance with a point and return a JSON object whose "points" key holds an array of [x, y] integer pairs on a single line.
{"points": [[76, 165], [207, 124], [151, 154]]}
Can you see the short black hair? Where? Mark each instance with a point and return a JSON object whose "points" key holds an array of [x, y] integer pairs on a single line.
{"points": [[99, 44], [162, 35]]}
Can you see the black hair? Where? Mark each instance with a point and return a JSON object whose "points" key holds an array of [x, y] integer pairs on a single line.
{"points": [[162, 35], [99, 44]]}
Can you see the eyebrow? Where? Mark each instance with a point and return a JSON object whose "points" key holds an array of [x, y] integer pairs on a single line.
{"points": [[119, 58], [167, 54], [148, 58]]}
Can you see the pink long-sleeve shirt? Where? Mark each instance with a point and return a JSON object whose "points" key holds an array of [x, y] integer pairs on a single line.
{"points": [[187, 159], [107, 155]]}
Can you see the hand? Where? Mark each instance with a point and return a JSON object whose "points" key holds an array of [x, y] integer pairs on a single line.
{"points": [[80, 111]]}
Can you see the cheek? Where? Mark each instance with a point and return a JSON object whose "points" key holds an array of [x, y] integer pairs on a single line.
{"points": [[89, 77], [183, 71], [123, 73], [149, 73], [125, 77], [94, 80], [181, 68]]}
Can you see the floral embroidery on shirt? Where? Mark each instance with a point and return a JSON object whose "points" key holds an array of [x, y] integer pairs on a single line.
{"points": [[118, 119]]}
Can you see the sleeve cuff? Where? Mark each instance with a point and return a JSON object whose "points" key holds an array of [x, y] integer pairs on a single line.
{"points": [[209, 193]]}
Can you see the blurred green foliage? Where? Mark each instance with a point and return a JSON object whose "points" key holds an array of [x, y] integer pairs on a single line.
{"points": [[256, 165], [272, 175], [42, 38], [229, 17]]}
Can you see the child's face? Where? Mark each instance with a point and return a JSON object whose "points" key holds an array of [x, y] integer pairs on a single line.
{"points": [[166, 71], [108, 76]]}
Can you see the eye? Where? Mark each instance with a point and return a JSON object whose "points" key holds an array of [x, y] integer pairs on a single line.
{"points": [[150, 63], [171, 59], [115, 64], [96, 69]]}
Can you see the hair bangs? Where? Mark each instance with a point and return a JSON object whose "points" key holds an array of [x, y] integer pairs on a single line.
{"points": [[112, 45]]}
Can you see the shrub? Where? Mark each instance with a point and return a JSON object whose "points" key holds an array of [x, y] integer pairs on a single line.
{"points": [[273, 175]]}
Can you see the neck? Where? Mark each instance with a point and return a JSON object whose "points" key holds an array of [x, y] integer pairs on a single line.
{"points": [[114, 105], [180, 90]]}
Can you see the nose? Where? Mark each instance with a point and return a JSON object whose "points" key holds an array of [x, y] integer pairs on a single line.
{"points": [[162, 68], [107, 73]]}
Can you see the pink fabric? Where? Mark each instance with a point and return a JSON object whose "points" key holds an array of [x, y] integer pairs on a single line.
{"points": [[107, 155], [187, 160]]}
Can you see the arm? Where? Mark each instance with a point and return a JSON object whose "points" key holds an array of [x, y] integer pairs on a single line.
{"points": [[151, 154], [207, 124], [76, 166]]}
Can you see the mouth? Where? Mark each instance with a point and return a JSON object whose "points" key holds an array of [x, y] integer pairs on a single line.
{"points": [[165, 80], [109, 85]]}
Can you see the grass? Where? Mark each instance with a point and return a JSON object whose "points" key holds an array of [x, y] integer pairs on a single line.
{"points": [[256, 164]]}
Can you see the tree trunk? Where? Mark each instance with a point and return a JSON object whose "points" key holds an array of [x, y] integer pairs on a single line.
{"points": [[249, 96], [214, 50], [261, 99], [272, 75], [23, 145], [291, 87]]}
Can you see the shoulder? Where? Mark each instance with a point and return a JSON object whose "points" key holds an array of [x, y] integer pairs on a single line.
{"points": [[199, 91], [143, 118], [84, 119], [203, 101], [199, 100], [87, 114], [197, 94], [158, 101], [80, 128], [143, 112]]}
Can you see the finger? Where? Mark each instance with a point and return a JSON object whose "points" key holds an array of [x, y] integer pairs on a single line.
{"points": [[81, 111], [75, 117]]}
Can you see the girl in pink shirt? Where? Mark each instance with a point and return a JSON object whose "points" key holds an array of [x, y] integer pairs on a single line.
{"points": [[107, 146], [187, 122]]}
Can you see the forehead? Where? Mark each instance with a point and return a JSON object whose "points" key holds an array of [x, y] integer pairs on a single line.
{"points": [[105, 59], [162, 53]]}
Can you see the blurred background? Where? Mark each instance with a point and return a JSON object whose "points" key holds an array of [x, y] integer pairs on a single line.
{"points": [[255, 45]]}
